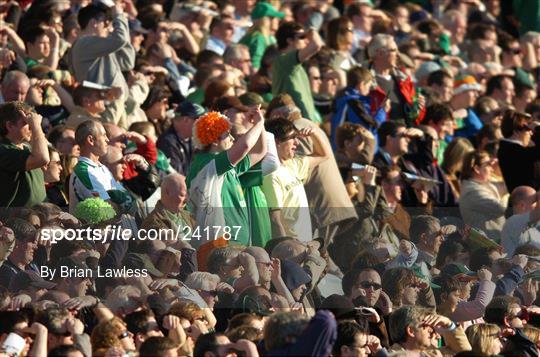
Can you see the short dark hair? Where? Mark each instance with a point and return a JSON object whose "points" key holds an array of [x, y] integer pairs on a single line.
{"points": [[498, 309], [11, 112], [204, 343], [481, 258], [388, 128], [437, 113], [136, 321], [92, 11], [448, 284], [420, 225], [286, 31], [437, 77], [347, 132], [495, 82], [156, 346], [32, 35], [346, 332], [86, 128], [349, 279], [281, 128]]}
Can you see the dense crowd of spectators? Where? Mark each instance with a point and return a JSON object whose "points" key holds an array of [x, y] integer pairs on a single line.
{"points": [[246, 177]]}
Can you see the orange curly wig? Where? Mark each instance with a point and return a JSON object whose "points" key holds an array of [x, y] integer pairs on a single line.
{"points": [[209, 127]]}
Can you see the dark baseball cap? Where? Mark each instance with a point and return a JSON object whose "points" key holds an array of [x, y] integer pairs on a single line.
{"points": [[230, 102], [135, 26], [26, 279], [188, 109]]}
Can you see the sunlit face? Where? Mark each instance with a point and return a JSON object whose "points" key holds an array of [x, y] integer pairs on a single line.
{"points": [[410, 295], [19, 131], [359, 348], [54, 168], [314, 79], [99, 141], [42, 47], [370, 282], [299, 292], [392, 186], [226, 141], [287, 147], [16, 91]]}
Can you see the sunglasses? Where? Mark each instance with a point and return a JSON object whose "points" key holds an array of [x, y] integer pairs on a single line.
{"points": [[213, 293], [300, 36], [367, 285], [523, 128], [123, 335], [515, 51]]}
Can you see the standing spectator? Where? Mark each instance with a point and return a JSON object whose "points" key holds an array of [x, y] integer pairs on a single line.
{"points": [[284, 190], [213, 179], [20, 165], [516, 157], [288, 74], [101, 57], [480, 204], [261, 34]]}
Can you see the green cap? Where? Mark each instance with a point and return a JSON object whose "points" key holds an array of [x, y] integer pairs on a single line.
{"points": [[263, 9], [524, 78], [458, 271]]}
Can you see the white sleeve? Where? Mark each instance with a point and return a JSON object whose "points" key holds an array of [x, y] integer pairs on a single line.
{"points": [[270, 162]]}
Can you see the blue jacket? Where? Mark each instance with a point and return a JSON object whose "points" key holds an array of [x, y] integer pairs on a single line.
{"points": [[354, 107]]}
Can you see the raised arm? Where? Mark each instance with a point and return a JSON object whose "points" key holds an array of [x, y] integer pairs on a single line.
{"points": [[322, 150], [40, 154], [250, 143], [315, 44]]}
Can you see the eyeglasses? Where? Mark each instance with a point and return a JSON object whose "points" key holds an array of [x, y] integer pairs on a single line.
{"points": [[367, 285], [123, 335], [225, 135]]}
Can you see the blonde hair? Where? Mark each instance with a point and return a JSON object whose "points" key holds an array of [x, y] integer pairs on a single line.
{"points": [[533, 333], [481, 337], [106, 335], [454, 154]]}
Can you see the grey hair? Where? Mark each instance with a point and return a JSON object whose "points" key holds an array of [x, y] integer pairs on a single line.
{"points": [[201, 280], [380, 40], [219, 257], [12, 77], [450, 16], [86, 128], [122, 297], [234, 52], [402, 318], [530, 36], [281, 326]]}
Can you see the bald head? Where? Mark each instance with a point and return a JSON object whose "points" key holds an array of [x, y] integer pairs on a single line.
{"points": [[290, 250], [174, 192], [523, 199], [258, 253]]}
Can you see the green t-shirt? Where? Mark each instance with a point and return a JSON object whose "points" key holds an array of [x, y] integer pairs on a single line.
{"points": [[259, 216], [257, 44], [196, 97], [19, 187], [217, 198], [288, 76]]}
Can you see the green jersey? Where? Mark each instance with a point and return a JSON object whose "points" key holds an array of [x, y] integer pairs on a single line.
{"points": [[259, 217], [217, 199]]}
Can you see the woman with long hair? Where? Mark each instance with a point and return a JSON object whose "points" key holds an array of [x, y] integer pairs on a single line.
{"points": [[480, 203], [453, 161]]}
